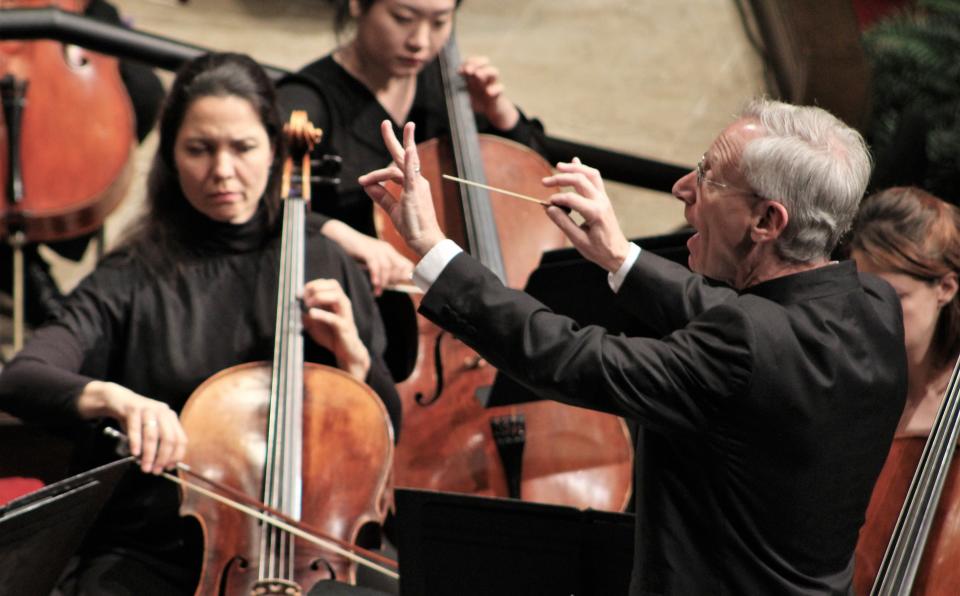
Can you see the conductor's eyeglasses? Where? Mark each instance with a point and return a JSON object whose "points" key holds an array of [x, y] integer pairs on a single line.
{"points": [[702, 175]]}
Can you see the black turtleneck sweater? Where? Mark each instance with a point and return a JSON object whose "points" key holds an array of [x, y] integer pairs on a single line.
{"points": [[161, 336]]}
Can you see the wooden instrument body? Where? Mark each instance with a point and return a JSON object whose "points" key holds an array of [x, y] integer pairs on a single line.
{"points": [[345, 469], [76, 137], [939, 571]]}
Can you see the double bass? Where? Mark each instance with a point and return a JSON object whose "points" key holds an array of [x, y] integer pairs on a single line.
{"points": [[540, 451], [916, 552], [59, 95], [304, 439]]}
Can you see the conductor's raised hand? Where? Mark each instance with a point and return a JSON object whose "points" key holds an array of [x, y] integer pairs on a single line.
{"points": [[412, 212], [599, 238]]}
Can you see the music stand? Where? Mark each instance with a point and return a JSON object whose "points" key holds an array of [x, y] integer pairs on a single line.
{"points": [[40, 531], [464, 545]]}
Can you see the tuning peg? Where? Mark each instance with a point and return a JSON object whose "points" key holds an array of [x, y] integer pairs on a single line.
{"points": [[326, 160]]}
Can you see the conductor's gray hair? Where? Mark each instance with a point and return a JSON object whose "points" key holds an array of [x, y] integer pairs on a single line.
{"points": [[813, 164]]}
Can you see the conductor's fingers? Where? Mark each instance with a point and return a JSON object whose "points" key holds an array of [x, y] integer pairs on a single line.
{"points": [[381, 196], [578, 180], [408, 135], [570, 228], [387, 174], [575, 165], [573, 201], [391, 141]]}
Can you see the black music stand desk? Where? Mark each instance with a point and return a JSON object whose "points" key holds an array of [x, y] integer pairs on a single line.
{"points": [[475, 546], [40, 531]]}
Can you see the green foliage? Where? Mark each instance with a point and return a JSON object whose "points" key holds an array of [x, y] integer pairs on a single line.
{"points": [[916, 68]]}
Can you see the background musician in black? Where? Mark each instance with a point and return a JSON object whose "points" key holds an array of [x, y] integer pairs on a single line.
{"points": [[387, 69], [911, 239]]}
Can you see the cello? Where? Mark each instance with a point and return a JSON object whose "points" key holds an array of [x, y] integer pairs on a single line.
{"points": [[306, 440], [923, 550], [540, 451]]}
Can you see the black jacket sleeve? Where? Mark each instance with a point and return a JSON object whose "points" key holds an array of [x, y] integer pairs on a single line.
{"points": [[674, 383]]}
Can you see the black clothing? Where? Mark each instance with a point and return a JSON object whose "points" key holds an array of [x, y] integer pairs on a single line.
{"points": [[161, 336], [350, 116], [765, 415]]}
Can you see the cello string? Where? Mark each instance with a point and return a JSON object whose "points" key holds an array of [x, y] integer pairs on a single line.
{"points": [[294, 395], [267, 495], [284, 526], [288, 396], [233, 495], [237, 496], [273, 471]]}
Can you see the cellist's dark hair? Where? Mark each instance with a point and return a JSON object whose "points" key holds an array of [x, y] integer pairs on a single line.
{"points": [[908, 230], [341, 16], [163, 237]]}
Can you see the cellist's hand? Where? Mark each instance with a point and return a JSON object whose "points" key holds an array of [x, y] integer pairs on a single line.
{"points": [[385, 265], [152, 428], [486, 93], [412, 213], [328, 318]]}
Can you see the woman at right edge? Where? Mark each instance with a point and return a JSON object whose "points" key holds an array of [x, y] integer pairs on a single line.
{"points": [[911, 239]]}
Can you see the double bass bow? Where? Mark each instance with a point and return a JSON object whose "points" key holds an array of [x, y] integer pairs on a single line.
{"points": [[540, 451], [309, 441]]}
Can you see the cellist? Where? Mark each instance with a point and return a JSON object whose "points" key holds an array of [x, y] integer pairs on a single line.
{"points": [[387, 68], [190, 291]]}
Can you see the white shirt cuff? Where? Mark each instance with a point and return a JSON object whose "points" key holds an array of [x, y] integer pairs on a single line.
{"points": [[434, 262], [615, 280]]}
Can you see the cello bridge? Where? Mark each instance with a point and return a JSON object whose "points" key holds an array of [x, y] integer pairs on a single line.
{"points": [[278, 587]]}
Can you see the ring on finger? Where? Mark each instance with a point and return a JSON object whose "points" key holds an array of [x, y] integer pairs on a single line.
{"points": [[151, 422]]}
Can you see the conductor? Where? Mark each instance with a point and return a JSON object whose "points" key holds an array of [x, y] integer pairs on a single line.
{"points": [[769, 399]]}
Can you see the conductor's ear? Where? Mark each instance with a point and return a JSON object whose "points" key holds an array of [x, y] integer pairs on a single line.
{"points": [[771, 220]]}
